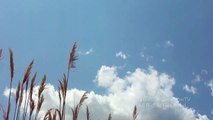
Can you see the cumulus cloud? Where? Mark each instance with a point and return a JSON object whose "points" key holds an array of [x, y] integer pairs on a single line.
{"points": [[121, 55], [150, 90], [210, 84], [106, 76], [169, 44], [88, 52], [190, 89]]}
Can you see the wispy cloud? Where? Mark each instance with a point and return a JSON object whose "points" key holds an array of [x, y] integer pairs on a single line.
{"points": [[146, 57], [210, 84], [200, 76], [121, 55], [88, 52], [204, 72], [190, 89], [196, 79], [169, 44]]}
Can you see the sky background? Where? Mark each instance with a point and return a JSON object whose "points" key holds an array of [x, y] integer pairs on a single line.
{"points": [[175, 37]]}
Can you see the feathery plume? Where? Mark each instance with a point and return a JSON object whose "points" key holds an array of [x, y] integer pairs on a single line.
{"points": [[72, 57], [11, 64]]}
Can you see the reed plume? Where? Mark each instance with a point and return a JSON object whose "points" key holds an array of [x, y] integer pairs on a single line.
{"points": [[76, 109], [35, 106], [11, 80], [26, 83], [20, 102], [72, 57]]}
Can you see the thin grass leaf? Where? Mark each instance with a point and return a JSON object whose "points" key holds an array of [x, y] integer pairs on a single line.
{"points": [[17, 98], [0, 53], [110, 117], [40, 102], [32, 107], [135, 113], [87, 113], [20, 102]]}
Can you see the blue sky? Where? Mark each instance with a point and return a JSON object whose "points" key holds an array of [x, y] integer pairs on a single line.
{"points": [[175, 37]]}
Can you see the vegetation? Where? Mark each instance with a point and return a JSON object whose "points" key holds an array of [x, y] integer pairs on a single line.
{"points": [[25, 105]]}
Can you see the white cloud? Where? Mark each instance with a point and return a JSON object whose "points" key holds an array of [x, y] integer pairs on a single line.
{"points": [[210, 84], [169, 44], [196, 79], [150, 90], [106, 76], [88, 52], [190, 89], [121, 55]]}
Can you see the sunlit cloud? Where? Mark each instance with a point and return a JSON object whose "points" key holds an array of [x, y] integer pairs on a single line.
{"points": [[148, 89]]}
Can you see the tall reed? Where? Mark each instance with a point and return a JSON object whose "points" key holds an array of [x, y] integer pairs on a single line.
{"points": [[11, 80]]}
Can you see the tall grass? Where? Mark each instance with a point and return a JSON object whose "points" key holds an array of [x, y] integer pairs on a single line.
{"points": [[26, 107]]}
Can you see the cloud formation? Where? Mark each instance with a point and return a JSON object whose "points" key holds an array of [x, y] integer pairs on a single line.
{"points": [[190, 89], [150, 90], [121, 55], [210, 84]]}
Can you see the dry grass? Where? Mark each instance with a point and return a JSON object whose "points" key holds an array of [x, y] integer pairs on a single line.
{"points": [[30, 108], [87, 113], [135, 113], [0, 53], [110, 117]]}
